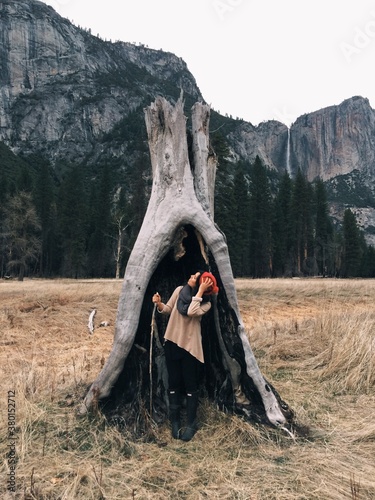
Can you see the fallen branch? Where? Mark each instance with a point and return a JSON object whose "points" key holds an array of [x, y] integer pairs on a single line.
{"points": [[90, 324]]}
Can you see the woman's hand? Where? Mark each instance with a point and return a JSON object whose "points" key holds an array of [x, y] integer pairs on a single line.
{"points": [[206, 284], [156, 299]]}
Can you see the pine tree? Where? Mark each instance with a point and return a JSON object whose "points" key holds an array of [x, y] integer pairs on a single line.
{"points": [[100, 258], [240, 223], [323, 231], [282, 228], [21, 233], [3, 187], [44, 199], [351, 246], [224, 192], [302, 231], [3, 197], [232, 205], [25, 180], [15, 173], [73, 223], [368, 262], [136, 192], [260, 222]]}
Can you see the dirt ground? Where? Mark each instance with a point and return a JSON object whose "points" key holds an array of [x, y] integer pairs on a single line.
{"points": [[314, 339]]}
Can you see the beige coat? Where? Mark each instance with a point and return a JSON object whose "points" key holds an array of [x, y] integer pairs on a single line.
{"points": [[185, 331]]}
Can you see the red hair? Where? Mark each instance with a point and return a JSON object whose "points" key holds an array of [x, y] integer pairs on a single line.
{"points": [[214, 289]]}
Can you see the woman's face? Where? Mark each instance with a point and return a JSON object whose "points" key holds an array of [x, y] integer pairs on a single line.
{"points": [[192, 281]]}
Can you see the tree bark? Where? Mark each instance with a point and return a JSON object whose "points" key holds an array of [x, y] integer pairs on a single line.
{"points": [[178, 236]]}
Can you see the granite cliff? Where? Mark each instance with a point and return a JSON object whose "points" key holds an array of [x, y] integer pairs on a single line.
{"points": [[335, 140], [335, 144], [328, 143], [62, 89]]}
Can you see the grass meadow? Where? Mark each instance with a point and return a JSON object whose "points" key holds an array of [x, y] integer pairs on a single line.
{"points": [[314, 340]]}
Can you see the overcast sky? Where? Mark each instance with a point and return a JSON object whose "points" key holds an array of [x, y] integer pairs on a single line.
{"points": [[252, 59]]}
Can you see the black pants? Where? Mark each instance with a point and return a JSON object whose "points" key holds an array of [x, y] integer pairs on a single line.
{"points": [[184, 370]]}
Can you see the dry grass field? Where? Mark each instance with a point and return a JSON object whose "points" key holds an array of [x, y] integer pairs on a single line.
{"points": [[314, 341]]}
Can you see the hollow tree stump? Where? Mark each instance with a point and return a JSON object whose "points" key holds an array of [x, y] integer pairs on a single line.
{"points": [[178, 237]]}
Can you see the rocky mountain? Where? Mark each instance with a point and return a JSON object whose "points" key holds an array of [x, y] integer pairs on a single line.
{"points": [[335, 144], [70, 96], [331, 142], [63, 90], [336, 140]]}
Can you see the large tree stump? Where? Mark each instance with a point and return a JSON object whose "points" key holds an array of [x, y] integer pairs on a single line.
{"points": [[177, 238]]}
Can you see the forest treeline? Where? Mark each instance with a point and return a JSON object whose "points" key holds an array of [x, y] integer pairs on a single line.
{"points": [[69, 221]]}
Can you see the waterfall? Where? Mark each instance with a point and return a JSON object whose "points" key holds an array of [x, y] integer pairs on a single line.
{"points": [[288, 169]]}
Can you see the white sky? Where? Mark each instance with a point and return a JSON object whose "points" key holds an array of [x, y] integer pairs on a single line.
{"points": [[252, 59]]}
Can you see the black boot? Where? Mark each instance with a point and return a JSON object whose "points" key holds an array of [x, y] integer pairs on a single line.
{"points": [[174, 413], [191, 413]]}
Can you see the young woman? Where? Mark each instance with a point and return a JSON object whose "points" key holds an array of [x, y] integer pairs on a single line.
{"points": [[183, 346]]}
